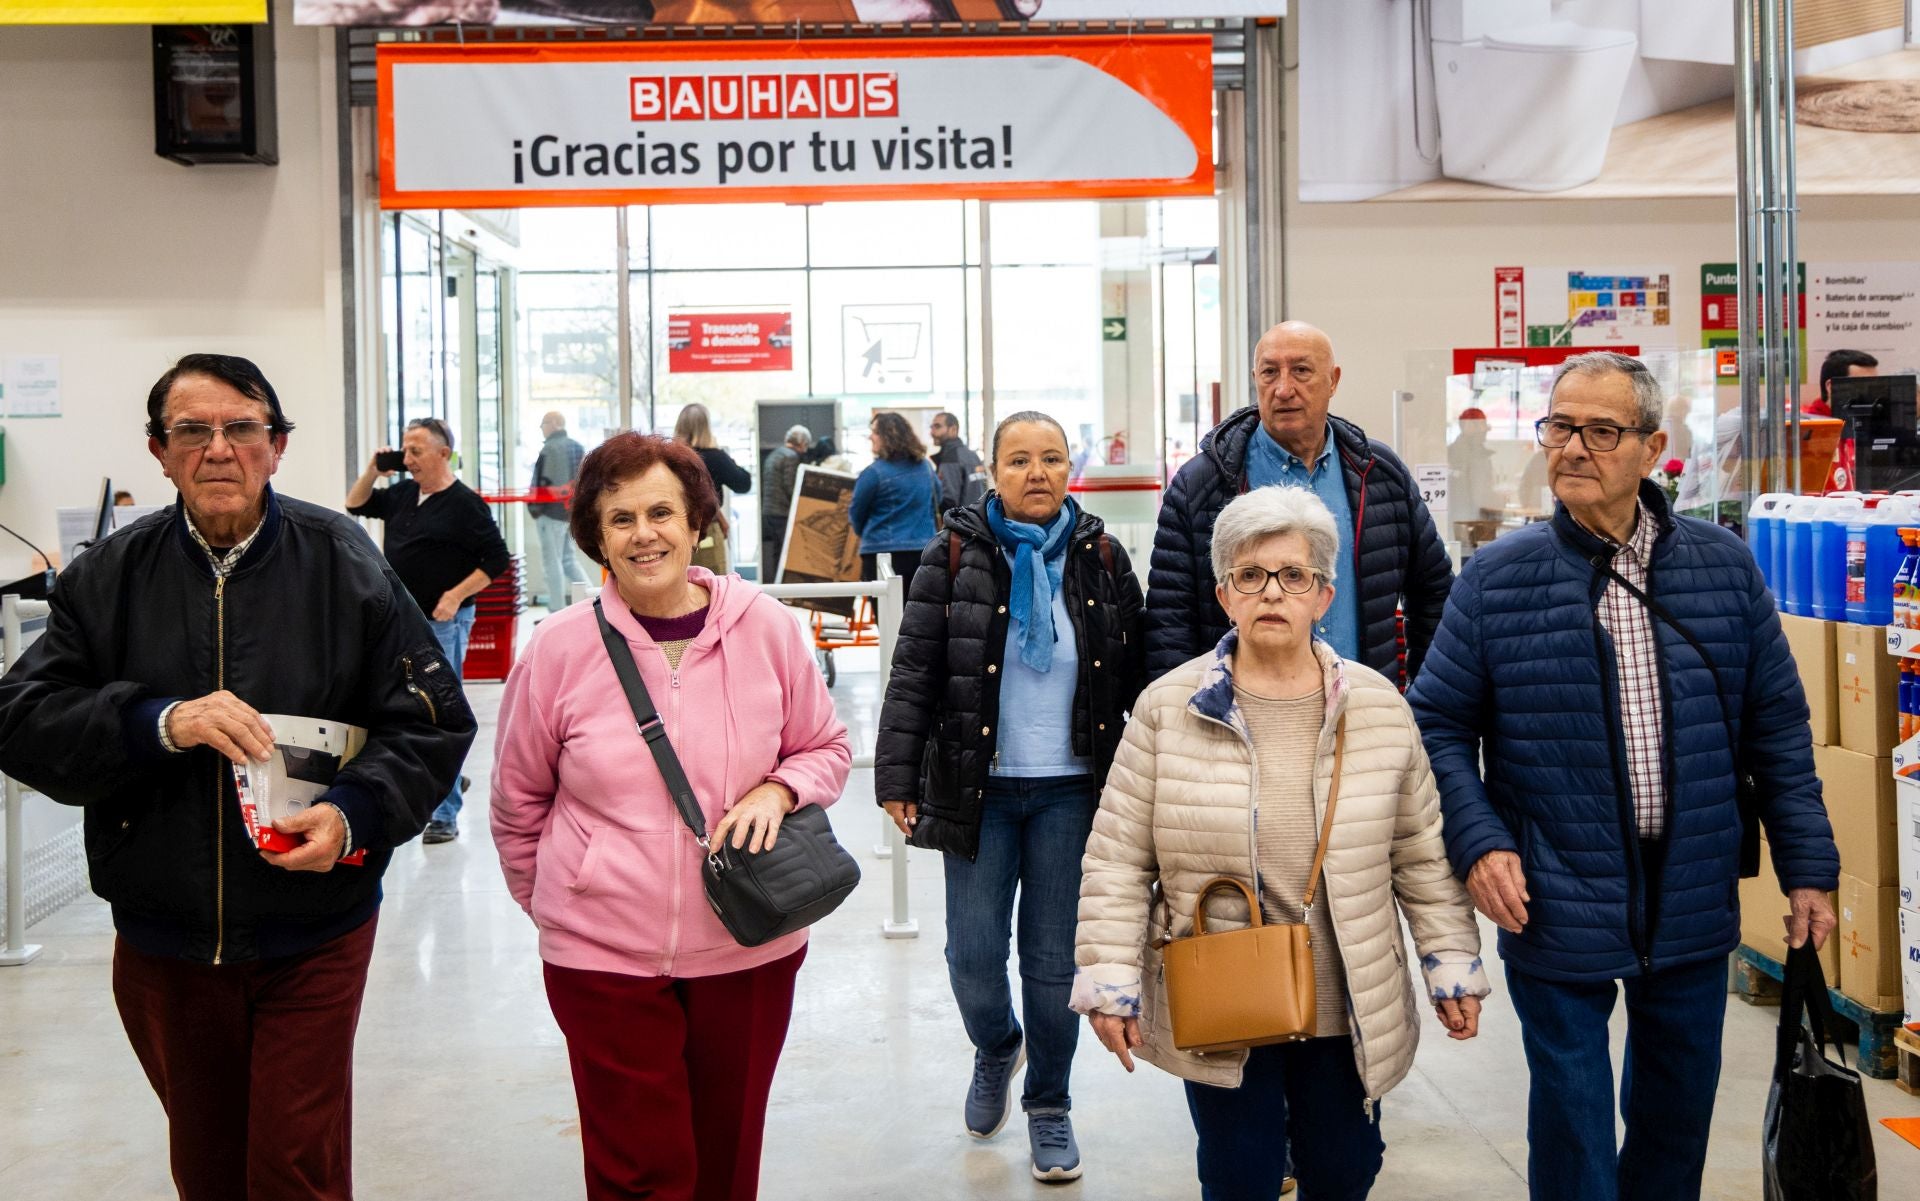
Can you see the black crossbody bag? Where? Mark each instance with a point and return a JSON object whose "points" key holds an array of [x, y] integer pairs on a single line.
{"points": [[1745, 788], [758, 897]]}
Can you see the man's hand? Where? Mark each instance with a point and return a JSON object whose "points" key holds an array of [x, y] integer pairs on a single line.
{"points": [[754, 821], [1461, 1017], [905, 814], [1812, 914], [224, 722], [325, 832], [1117, 1034], [449, 606], [1499, 890]]}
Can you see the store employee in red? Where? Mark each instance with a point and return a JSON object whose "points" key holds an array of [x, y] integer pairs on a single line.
{"points": [[444, 546]]}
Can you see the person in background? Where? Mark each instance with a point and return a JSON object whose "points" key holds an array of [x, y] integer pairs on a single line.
{"points": [[673, 1029], [1587, 757], [122, 497], [777, 476], [693, 428], [1388, 546], [1010, 682], [1228, 769], [558, 464], [238, 973], [1839, 364], [895, 500], [962, 480], [443, 544]]}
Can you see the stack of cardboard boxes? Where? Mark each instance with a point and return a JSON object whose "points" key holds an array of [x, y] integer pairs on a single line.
{"points": [[1852, 691]]}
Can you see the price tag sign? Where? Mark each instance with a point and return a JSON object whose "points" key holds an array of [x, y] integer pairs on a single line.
{"points": [[1431, 480]]}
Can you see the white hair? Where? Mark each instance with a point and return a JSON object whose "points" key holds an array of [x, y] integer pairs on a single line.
{"points": [[799, 436], [1649, 405], [1271, 512]]}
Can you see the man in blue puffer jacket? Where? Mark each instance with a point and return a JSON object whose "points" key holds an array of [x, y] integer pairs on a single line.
{"points": [[1605, 835]]}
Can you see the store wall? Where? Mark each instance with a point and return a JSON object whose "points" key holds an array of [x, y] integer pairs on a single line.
{"points": [[119, 262], [1387, 279]]}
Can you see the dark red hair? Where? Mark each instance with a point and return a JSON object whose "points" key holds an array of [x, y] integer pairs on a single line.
{"points": [[626, 457]]}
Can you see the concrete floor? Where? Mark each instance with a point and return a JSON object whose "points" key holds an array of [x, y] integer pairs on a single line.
{"points": [[463, 1089]]}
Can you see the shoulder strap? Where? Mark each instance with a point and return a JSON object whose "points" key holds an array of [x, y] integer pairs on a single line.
{"points": [[647, 721], [1326, 823], [953, 556], [1673, 623], [1106, 554]]}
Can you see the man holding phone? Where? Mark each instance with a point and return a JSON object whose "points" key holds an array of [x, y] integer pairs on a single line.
{"points": [[443, 544]]}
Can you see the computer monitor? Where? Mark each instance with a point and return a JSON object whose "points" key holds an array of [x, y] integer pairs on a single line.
{"points": [[103, 517], [1880, 414]]}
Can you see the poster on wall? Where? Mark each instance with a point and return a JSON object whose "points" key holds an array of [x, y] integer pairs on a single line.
{"points": [[30, 386], [1720, 318], [1871, 307], [887, 347], [1587, 99], [510, 125], [758, 12], [1582, 306], [708, 341], [124, 12]]}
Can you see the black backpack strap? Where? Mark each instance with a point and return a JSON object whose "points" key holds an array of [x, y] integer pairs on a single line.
{"points": [[647, 721]]}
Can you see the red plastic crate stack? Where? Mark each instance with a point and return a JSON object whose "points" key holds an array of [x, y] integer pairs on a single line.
{"points": [[495, 626]]}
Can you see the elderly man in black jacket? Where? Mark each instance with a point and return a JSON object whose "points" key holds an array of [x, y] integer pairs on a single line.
{"points": [[238, 972], [1388, 546]]}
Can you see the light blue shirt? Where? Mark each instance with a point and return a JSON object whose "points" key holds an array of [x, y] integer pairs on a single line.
{"points": [[1268, 462], [1036, 707]]}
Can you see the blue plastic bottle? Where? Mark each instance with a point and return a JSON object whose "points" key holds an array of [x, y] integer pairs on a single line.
{"points": [[1763, 524], [1874, 553], [1778, 573], [1829, 562], [1797, 597]]}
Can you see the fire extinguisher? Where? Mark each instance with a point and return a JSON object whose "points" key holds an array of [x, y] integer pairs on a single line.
{"points": [[1117, 450]]}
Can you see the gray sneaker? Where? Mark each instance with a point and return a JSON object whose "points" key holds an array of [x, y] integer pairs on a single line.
{"points": [[1056, 1156], [990, 1095]]}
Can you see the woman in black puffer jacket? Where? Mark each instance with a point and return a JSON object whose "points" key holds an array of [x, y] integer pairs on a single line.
{"points": [[1019, 654]]}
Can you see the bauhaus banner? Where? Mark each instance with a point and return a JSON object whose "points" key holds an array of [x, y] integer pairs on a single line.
{"points": [[759, 12], [513, 125]]}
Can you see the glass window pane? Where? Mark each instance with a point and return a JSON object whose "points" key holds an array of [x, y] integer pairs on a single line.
{"points": [[1045, 352], [569, 354], [888, 233], [568, 239], [727, 235], [1044, 232]]}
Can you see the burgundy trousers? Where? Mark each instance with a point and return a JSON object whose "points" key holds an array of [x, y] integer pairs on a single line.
{"points": [[672, 1076], [254, 1066]]}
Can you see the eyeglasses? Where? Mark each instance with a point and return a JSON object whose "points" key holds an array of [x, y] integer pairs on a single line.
{"points": [[1599, 435], [197, 435], [1252, 580]]}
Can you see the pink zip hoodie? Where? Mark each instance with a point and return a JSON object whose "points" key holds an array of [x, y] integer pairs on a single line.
{"points": [[590, 842]]}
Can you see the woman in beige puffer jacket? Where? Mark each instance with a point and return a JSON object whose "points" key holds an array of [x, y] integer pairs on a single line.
{"points": [[1183, 805]]}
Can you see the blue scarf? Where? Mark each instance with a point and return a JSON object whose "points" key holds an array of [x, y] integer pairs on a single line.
{"points": [[1033, 546]]}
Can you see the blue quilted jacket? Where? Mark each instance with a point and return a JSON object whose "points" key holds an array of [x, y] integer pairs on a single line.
{"points": [[1521, 677]]}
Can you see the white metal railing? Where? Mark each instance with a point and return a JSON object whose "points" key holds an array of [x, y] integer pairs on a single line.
{"points": [[889, 598], [21, 621]]}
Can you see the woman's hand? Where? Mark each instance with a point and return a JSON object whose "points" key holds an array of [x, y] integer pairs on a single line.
{"points": [[905, 814], [754, 821], [1117, 1034], [1461, 1017]]}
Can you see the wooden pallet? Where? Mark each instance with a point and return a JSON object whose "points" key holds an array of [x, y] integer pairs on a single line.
{"points": [[1873, 1031], [1906, 1049]]}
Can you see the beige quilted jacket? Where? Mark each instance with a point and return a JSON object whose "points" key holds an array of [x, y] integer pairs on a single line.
{"points": [[1179, 809]]}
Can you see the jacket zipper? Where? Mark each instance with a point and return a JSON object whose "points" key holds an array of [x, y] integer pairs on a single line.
{"points": [[1623, 794], [219, 789], [433, 714]]}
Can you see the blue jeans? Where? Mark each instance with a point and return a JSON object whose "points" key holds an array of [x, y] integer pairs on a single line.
{"points": [[557, 559], [1033, 833], [1307, 1094], [1674, 1018], [452, 636]]}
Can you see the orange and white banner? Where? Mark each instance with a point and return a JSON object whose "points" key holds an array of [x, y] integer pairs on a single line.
{"points": [[758, 12], [518, 125]]}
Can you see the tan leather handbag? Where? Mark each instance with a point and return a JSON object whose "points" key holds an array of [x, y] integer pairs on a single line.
{"points": [[1251, 987]]}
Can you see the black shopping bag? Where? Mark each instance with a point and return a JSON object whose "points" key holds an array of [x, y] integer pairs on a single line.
{"points": [[1816, 1144]]}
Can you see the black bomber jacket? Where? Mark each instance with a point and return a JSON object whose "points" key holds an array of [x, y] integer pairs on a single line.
{"points": [[310, 622]]}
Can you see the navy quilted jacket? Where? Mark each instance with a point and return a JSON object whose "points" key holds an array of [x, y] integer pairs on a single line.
{"points": [[1521, 673], [1397, 551]]}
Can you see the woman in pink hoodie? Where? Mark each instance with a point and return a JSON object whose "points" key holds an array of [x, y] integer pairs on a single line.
{"points": [[673, 1029]]}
